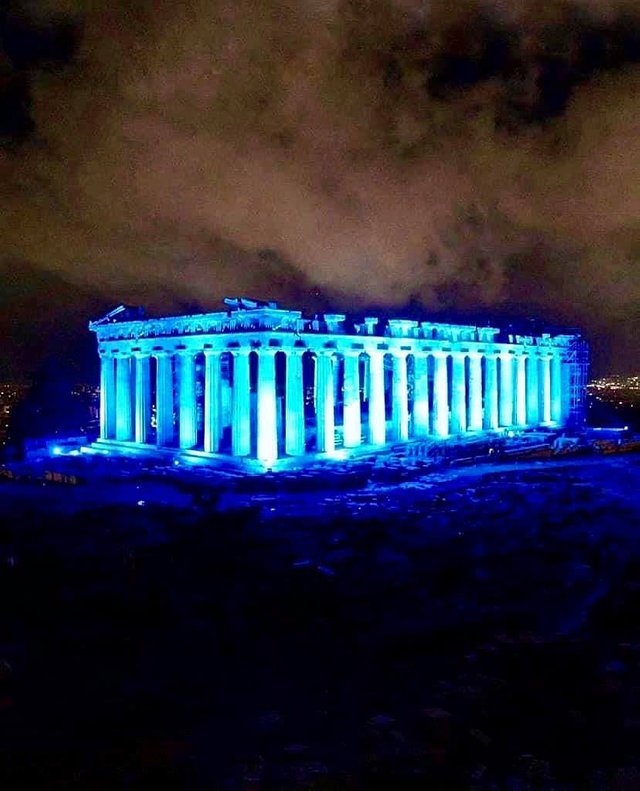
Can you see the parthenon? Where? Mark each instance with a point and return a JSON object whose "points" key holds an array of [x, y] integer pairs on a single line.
{"points": [[256, 381]]}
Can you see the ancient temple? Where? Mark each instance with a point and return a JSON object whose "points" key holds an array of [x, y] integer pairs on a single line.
{"points": [[259, 382]]}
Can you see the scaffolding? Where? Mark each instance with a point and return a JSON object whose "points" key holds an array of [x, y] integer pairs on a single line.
{"points": [[578, 360]]}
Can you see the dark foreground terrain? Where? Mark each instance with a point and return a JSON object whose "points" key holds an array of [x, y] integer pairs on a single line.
{"points": [[479, 629]]}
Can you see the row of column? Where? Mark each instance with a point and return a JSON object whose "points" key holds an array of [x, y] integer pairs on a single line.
{"points": [[522, 390], [126, 401]]}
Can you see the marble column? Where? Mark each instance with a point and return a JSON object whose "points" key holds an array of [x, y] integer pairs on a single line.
{"points": [[440, 395], [107, 397], [337, 378], [241, 404], [364, 384], [400, 397], [567, 395], [187, 415], [521, 390], [294, 429], [458, 394], [545, 389], [491, 412], [142, 397], [475, 391], [506, 389], [325, 417], [420, 395], [164, 399], [351, 422], [377, 416], [124, 404], [212, 401], [533, 391], [267, 415], [556, 388]]}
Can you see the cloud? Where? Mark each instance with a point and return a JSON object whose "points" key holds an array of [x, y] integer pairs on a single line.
{"points": [[381, 151]]}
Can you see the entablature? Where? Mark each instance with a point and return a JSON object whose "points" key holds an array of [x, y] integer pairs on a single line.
{"points": [[283, 341], [249, 318]]}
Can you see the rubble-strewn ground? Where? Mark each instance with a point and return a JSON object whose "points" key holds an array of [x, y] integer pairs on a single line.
{"points": [[477, 628]]}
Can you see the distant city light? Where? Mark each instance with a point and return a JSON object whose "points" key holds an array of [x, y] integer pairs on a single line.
{"points": [[616, 390]]}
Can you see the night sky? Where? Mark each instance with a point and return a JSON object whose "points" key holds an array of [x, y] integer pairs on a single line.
{"points": [[478, 158]]}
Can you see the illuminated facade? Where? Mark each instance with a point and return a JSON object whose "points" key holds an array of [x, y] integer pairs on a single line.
{"points": [[259, 382]]}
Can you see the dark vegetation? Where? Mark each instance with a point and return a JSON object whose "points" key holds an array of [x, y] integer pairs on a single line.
{"points": [[480, 633]]}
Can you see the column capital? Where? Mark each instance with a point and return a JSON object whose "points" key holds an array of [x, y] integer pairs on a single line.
{"points": [[108, 355], [162, 353], [492, 355], [546, 355], [440, 354], [186, 352], [351, 352], [400, 353], [140, 355], [213, 352], [294, 351], [324, 352], [241, 351], [267, 351], [475, 355]]}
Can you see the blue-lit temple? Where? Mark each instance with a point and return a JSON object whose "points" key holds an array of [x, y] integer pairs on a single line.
{"points": [[259, 382]]}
